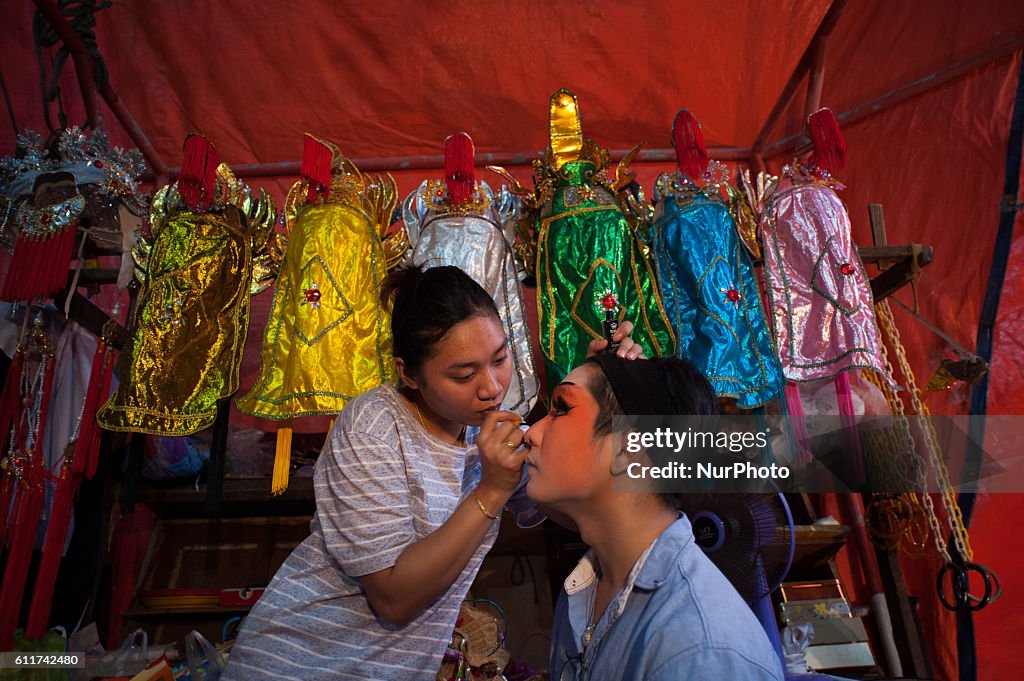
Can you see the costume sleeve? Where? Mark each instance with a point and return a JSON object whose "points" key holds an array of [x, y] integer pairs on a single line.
{"points": [[362, 500]]}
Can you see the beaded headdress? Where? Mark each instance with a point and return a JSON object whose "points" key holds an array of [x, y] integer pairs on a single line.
{"points": [[41, 231]]}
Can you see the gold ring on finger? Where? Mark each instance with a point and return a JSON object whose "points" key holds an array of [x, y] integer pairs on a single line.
{"points": [[510, 444]]}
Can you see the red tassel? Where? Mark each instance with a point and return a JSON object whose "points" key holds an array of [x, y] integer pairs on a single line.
{"points": [[53, 550], [14, 271], [92, 397], [40, 267], [10, 409], [317, 160], [691, 152], [10, 398], [92, 452], [22, 273], [29, 506], [6, 498], [61, 248], [458, 168], [829, 145], [23, 540], [198, 172], [798, 423], [854, 459]]}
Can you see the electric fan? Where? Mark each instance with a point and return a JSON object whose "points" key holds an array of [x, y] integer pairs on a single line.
{"points": [[750, 538]]}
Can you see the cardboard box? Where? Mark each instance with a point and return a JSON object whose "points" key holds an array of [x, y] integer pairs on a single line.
{"points": [[839, 630], [840, 655]]}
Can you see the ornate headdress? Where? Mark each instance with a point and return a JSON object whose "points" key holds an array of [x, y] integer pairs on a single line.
{"points": [[42, 230]]}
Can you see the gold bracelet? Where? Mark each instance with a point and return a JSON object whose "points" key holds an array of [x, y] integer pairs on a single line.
{"points": [[483, 509]]}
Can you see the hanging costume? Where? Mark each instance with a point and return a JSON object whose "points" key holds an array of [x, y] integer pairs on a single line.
{"points": [[463, 223], [213, 246], [822, 308], [818, 291], [83, 189], [328, 338], [706, 278], [586, 249], [23, 417]]}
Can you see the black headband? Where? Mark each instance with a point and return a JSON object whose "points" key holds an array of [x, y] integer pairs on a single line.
{"points": [[640, 385]]}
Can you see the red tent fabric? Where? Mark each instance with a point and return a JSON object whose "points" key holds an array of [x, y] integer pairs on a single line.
{"points": [[924, 92]]}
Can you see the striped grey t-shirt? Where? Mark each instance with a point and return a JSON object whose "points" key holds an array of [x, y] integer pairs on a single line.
{"points": [[382, 483]]}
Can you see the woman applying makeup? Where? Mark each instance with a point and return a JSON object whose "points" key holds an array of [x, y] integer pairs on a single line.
{"points": [[409, 488], [645, 602]]}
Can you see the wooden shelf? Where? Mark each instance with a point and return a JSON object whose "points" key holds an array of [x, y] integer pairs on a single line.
{"points": [[137, 613], [903, 262], [239, 497], [815, 544]]}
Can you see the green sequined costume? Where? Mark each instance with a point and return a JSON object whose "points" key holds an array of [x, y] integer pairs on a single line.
{"points": [[586, 248]]}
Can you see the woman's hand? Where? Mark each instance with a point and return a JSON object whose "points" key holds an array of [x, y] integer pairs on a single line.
{"points": [[501, 458], [628, 348], [429, 566]]}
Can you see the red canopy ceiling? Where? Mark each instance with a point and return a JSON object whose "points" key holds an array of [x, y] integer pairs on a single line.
{"points": [[394, 78]]}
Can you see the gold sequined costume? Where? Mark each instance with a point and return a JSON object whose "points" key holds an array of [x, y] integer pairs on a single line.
{"points": [[328, 338], [192, 317]]}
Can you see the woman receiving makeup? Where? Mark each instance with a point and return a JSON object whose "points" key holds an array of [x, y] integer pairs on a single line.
{"points": [[645, 602]]}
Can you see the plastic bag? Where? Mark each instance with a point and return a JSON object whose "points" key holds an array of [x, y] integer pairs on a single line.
{"points": [[250, 454], [205, 662], [795, 639], [170, 458], [128, 660]]}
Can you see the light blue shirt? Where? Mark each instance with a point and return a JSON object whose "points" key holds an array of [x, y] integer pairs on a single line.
{"points": [[677, 618]]}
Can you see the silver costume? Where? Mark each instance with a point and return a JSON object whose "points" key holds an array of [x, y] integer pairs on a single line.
{"points": [[476, 237]]}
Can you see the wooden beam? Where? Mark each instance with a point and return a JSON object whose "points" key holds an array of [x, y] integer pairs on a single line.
{"points": [[436, 161], [82, 57], [757, 163], [218, 457], [815, 81], [878, 235], [907, 91], [903, 268], [79, 55], [828, 23], [93, 319], [906, 630], [906, 263]]}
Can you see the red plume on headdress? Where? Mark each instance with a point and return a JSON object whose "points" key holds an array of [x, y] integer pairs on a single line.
{"points": [[688, 140], [198, 172], [458, 168], [317, 160], [829, 146]]}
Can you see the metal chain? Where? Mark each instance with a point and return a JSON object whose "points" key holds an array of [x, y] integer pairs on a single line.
{"points": [[953, 515], [919, 481]]}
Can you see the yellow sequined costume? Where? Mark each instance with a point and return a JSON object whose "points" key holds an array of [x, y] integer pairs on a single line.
{"points": [[328, 338], [192, 316]]}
